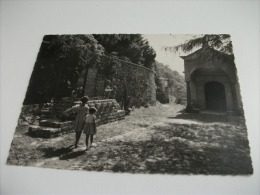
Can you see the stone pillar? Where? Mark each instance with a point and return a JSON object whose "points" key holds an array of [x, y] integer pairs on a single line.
{"points": [[229, 98], [188, 107], [90, 82], [193, 91], [234, 96], [200, 96], [238, 107]]}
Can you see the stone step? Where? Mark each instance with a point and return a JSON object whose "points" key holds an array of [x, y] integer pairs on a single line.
{"points": [[44, 132], [48, 132], [54, 123]]}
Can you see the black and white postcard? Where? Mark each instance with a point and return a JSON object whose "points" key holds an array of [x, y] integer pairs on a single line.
{"points": [[129, 103]]}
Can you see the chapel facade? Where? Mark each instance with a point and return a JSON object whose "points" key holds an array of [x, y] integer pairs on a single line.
{"points": [[212, 82]]}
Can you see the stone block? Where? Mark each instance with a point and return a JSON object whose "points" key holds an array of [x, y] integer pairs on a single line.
{"points": [[49, 132], [32, 129], [66, 129], [110, 109], [98, 116], [104, 115], [97, 105], [54, 123], [66, 124], [104, 104], [44, 132], [50, 123], [91, 105], [111, 117], [121, 113]]}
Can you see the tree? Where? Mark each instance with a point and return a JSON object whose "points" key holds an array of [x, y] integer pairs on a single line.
{"points": [[62, 58], [130, 46], [59, 62], [176, 83], [220, 42]]}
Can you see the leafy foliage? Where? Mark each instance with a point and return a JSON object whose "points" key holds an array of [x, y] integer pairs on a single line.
{"points": [[176, 84], [220, 42], [62, 58], [133, 85], [59, 63], [131, 46]]}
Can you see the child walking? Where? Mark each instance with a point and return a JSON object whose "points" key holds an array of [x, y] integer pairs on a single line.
{"points": [[90, 126], [81, 111]]}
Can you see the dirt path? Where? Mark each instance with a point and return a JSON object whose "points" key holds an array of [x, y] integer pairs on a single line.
{"points": [[139, 126], [157, 139]]}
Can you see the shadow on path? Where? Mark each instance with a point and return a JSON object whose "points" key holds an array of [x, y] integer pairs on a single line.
{"points": [[208, 117], [53, 152], [72, 155]]}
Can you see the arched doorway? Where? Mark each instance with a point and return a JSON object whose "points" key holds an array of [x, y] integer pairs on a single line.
{"points": [[215, 98]]}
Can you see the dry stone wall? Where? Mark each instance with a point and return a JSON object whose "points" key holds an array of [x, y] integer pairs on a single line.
{"points": [[138, 81], [121, 76], [54, 123]]}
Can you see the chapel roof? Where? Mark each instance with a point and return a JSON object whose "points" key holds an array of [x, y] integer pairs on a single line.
{"points": [[206, 50]]}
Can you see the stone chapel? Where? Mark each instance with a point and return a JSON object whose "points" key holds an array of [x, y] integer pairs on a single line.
{"points": [[212, 82]]}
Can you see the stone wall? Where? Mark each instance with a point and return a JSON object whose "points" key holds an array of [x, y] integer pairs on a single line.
{"points": [[33, 113], [91, 82], [121, 76], [138, 81], [48, 120]]}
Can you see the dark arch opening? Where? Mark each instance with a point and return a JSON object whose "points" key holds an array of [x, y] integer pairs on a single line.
{"points": [[215, 98]]}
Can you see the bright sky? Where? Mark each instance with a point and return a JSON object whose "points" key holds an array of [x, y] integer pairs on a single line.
{"points": [[158, 41]]}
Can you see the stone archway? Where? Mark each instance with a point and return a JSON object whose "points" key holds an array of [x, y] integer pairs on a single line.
{"points": [[215, 97]]}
